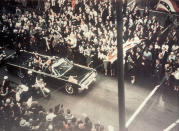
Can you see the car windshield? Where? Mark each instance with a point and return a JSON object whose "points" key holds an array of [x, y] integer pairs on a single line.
{"points": [[61, 67]]}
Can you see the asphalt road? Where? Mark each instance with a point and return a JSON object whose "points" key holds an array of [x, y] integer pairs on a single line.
{"points": [[100, 103]]}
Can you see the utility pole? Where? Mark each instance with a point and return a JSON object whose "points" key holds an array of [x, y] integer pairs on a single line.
{"points": [[121, 91]]}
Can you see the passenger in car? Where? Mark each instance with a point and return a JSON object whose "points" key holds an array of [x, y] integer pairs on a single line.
{"points": [[37, 62], [47, 66]]}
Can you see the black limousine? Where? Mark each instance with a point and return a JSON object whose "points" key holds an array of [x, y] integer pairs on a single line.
{"points": [[55, 71]]}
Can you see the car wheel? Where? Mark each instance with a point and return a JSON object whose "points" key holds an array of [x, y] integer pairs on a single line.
{"points": [[69, 89]]}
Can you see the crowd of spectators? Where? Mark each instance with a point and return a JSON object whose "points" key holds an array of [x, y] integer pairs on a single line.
{"points": [[81, 30], [157, 54], [69, 27], [85, 30], [19, 112]]}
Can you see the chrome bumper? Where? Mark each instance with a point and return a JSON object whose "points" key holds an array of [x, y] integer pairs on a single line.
{"points": [[85, 84]]}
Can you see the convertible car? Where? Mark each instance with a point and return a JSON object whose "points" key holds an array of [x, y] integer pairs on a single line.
{"points": [[55, 71]]}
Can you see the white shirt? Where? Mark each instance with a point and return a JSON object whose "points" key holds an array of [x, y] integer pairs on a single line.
{"points": [[24, 123], [81, 49], [166, 47], [53, 2], [50, 117], [171, 57], [18, 96], [175, 47]]}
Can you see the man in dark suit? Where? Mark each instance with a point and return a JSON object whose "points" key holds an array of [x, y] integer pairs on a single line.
{"points": [[157, 72], [29, 80]]}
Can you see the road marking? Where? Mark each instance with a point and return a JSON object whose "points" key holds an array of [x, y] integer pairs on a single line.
{"points": [[141, 106], [172, 125]]}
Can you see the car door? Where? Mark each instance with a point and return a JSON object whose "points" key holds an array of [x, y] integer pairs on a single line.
{"points": [[54, 82]]}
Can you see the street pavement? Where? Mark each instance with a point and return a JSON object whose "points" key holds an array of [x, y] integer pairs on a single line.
{"points": [[100, 104]]}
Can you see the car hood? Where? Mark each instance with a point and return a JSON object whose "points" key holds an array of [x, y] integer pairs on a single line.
{"points": [[78, 72]]}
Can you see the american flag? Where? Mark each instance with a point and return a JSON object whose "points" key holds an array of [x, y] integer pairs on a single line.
{"points": [[168, 5]]}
